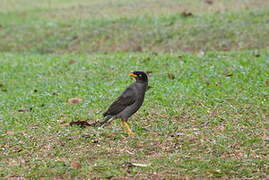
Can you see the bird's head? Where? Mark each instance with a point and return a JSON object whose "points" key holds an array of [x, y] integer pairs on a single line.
{"points": [[139, 76]]}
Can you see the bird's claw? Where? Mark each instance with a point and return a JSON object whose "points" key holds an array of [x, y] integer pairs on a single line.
{"points": [[131, 133]]}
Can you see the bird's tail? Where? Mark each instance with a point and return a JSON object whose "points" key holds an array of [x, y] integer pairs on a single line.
{"points": [[106, 120]]}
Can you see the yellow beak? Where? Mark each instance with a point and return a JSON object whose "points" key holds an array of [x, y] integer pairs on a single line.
{"points": [[132, 75]]}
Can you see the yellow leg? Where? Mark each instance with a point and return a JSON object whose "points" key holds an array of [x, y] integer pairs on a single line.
{"points": [[124, 123]]}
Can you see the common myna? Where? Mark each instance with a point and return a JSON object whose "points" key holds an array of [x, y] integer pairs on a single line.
{"points": [[129, 101]]}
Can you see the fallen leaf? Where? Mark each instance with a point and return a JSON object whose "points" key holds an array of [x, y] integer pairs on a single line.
{"points": [[171, 76], [72, 61], [24, 109], [74, 100], [23, 14], [209, 2], [75, 165], [186, 14]]}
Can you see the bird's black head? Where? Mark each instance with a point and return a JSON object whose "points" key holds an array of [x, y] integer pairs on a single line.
{"points": [[139, 75]]}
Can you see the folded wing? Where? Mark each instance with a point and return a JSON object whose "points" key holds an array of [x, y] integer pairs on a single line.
{"points": [[126, 99]]}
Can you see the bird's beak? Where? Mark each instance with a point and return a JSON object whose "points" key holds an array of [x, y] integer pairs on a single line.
{"points": [[132, 75]]}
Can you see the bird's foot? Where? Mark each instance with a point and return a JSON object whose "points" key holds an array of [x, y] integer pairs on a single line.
{"points": [[129, 131]]}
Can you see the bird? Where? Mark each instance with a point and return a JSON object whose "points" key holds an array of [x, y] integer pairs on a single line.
{"points": [[128, 102]]}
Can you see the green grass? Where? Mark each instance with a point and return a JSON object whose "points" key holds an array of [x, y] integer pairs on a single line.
{"points": [[46, 30], [210, 121], [206, 115]]}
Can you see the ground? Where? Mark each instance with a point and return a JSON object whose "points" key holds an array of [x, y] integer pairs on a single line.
{"points": [[205, 115]]}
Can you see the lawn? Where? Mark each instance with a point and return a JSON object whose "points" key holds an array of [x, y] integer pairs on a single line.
{"points": [[205, 115], [183, 26]]}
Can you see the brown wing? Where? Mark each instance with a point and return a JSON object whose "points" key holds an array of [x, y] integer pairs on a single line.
{"points": [[126, 99]]}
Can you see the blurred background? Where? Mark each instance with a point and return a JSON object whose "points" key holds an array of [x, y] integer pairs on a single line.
{"points": [[88, 26]]}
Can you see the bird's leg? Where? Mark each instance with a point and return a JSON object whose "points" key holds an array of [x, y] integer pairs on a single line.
{"points": [[129, 131]]}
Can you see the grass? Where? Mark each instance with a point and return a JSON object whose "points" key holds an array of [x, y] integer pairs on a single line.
{"points": [[210, 121], [206, 115], [43, 30]]}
